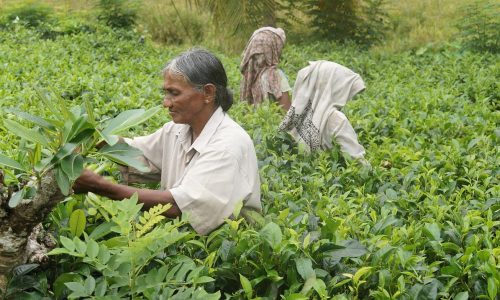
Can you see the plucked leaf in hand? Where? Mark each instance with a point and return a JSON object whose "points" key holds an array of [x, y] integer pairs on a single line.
{"points": [[128, 119], [72, 165], [124, 154]]}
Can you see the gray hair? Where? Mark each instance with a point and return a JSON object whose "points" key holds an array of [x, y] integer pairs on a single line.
{"points": [[200, 67]]}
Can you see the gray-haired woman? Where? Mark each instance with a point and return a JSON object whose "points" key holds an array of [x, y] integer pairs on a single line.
{"points": [[205, 162]]}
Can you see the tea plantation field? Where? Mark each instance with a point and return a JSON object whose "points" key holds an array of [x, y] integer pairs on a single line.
{"points": [[422, 223]]}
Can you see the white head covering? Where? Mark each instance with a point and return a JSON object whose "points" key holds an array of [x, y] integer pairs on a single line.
{"points": [[321, 88]]}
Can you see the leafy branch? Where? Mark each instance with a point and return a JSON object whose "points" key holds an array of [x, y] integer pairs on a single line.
{"points": [[67, 140]]}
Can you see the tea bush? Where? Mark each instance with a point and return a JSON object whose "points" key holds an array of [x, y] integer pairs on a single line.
{"points": [[423, 222], [33, 15]]}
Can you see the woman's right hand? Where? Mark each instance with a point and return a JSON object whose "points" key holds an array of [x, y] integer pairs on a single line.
{"points": [[87, 182]]}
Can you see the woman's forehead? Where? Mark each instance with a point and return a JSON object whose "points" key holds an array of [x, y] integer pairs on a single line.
{"points": [[174, 78]]}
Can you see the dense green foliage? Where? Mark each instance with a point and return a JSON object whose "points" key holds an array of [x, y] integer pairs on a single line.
{"points": [[480, 28], [364, 22], [422, 222], [33, 15], [117, 13]]}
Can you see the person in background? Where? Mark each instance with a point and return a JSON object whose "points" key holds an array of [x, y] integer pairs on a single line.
{"points": [[321, 90], [262, 79], [205, 162]]}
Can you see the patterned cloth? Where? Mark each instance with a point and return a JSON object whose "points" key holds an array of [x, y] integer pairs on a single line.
{"points": [[261, 58], [320, 91]]}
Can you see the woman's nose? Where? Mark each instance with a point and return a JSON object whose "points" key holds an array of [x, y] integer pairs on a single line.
{"points": [[167, 102]]}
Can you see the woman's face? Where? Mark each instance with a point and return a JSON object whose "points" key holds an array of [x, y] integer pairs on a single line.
{"points": [[184, 102]]}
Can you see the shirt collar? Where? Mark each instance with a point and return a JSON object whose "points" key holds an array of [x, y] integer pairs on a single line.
{"points": [[208, 131]]}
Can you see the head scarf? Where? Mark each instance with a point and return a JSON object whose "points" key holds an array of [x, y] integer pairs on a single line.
{"points": [[321, 89], [261, 56]]}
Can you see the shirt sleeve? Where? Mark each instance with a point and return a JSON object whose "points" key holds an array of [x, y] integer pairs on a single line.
{"points": [[210, 190]]}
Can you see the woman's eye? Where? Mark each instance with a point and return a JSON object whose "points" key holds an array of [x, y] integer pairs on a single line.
{"points": [[169, 94]]}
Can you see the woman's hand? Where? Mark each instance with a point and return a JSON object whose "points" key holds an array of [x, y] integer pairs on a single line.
{"points": [[87, 182]]}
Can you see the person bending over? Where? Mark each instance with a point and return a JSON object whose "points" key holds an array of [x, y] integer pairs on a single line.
{"points": [[321, 90], [205, 162], [262, 79]]}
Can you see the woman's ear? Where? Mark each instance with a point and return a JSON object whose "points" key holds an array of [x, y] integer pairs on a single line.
{"points": [[209, 90]]}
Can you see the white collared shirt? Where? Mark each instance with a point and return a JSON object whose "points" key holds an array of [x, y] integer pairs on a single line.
{"points": [[208, 177]]}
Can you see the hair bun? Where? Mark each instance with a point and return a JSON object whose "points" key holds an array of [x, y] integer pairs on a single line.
{"points": [[227, 100]]}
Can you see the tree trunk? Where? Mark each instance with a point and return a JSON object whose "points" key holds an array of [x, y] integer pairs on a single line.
{"points": [[17, 224]]}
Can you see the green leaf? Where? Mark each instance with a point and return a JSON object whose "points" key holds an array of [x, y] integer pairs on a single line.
{"points": [[23, 269], [320, 288], [59, 283], [16, 198], [124, 154], [461, 296], [247, 286], [92, 248], [451, 270], [33, 119], [48, 102], [67, 243], [10, 163], [109, 138], [101, 287], [237, 209], [360, 273], [79, 130], [89, 110], [483, 255], [44, 163], [203, 279], [80, 246], [308, 285], [271, 233], [72, 166], [58, 251], [327, 247], [383, 224], [62, 181], [77, 289], [101, 230], [64, 151], [26, 133], [296, 297], [352, 249], [304, 267], [492, 287], [128, 119], [432, 231], [65, 113], [89, 285], [104, 254], [77, 222]]}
